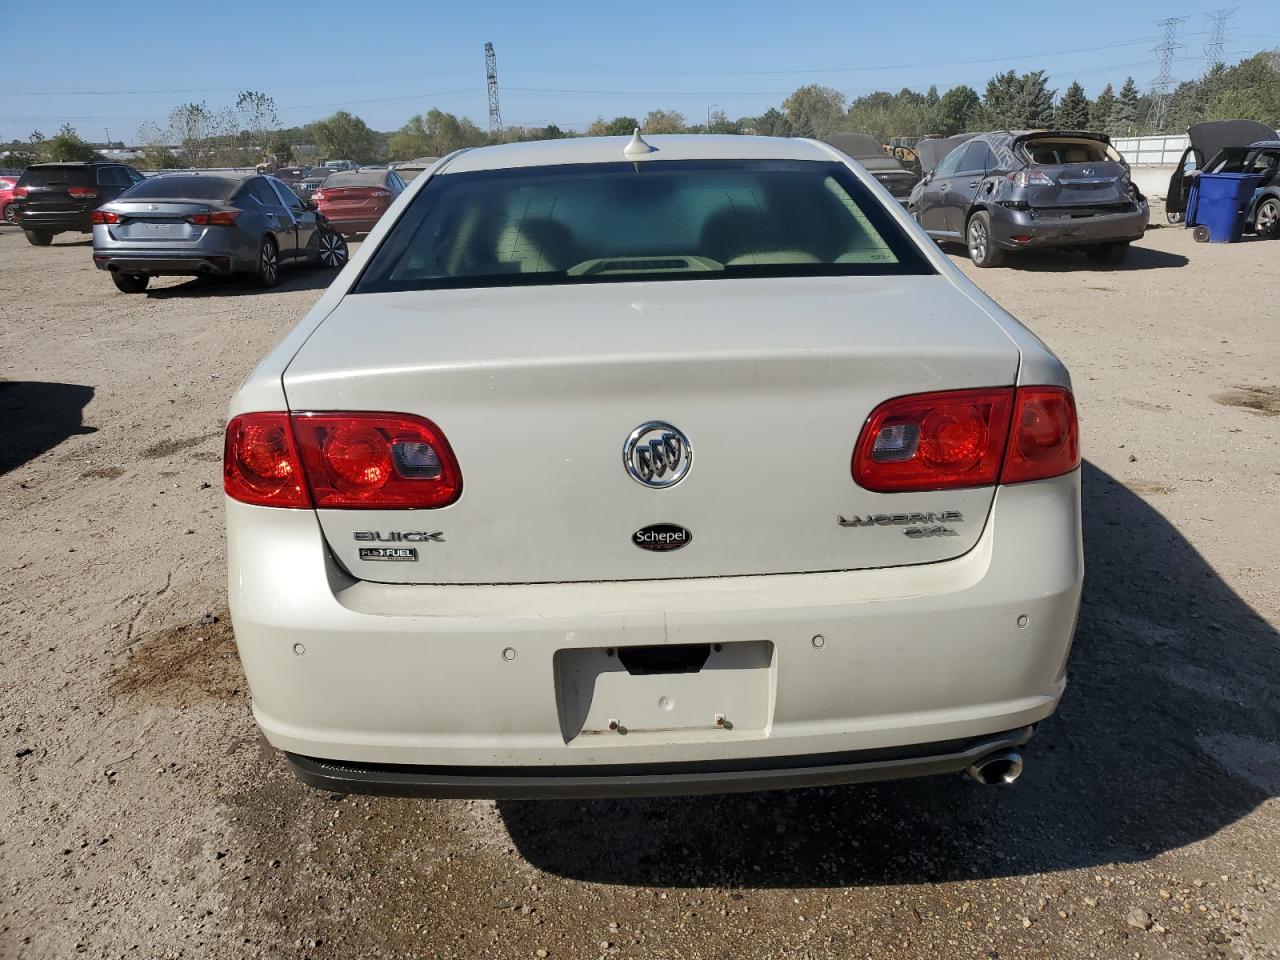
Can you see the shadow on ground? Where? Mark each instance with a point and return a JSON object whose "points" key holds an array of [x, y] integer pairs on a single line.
{"points": [[1063, 261], [36, 417], [1170, 669], [294, 277]]}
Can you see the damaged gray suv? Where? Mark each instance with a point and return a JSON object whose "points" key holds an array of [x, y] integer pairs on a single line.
{"points": [[1018, 190]]}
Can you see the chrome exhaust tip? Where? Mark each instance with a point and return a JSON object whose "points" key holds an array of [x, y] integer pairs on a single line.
{"points": [[1001, 768]]}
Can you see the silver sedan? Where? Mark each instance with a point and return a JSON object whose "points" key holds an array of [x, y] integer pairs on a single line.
{"points": [[198, 224]]}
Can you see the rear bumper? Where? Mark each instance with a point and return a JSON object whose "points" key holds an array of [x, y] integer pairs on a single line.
{"points": [[161, 263], [432, 680], [54, 222], [356, 225], [647, 780], [1052, 232]]}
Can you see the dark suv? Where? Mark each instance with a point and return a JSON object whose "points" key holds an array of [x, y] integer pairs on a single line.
{"points": [[54, 198]]}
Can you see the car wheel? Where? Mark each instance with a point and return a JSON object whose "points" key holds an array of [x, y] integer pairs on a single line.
{"points": [[1266, 223], [38, 238], [982, 249], [1201, 234], [268, 263], [11, 214], [130, 282], [1110, 253], [332, 249]]}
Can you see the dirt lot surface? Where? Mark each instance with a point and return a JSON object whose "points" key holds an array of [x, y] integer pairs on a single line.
{"points": [[140, 817]]}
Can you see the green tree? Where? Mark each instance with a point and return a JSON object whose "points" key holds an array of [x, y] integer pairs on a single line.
{"points": [[1015, 101], [344, 136], [772, 123], [66, 145], [617, 127], [1100, 112], [1124, 114], [664, 121], [956, 111], [815, 111], [258, 118], [1073, 109]]}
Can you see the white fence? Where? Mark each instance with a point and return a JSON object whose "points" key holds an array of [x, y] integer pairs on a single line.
{"points": [[1151, 151]]}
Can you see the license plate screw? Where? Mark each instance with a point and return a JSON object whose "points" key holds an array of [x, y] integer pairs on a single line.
{"points": [[721, 720], [614, 724]]}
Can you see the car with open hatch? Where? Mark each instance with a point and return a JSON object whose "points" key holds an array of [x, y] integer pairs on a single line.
{"points": [[1008, 191], [210, 224], [627, 467]]}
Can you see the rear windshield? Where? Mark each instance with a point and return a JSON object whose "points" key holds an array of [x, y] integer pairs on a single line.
{"points": [[182, 187], [1056, 150], [355, 180], [655, 220], [54, 176]]}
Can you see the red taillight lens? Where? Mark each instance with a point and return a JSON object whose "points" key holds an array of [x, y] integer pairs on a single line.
{"points": [[20, 193], [82, 193], [223, 218], [104, 216], [260, 463], [1045, 438], [968, 438], [934, 441], [376, 460]]}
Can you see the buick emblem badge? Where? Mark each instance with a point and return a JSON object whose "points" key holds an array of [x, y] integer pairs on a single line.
{"points": [[657, 455]]}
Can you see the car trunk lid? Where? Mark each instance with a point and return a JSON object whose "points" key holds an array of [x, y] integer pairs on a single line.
{"points": [[59, 190], [158, 220], [538, 388]]}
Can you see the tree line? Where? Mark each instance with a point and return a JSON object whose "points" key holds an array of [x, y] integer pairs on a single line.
{"points": [[248, 131]]}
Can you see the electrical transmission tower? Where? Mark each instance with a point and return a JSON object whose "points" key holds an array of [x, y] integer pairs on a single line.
{"points": [[1216, 49], [1166, 52], [491, 76]]}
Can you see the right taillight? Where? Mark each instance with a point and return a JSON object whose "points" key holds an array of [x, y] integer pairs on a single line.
{"points": [[967, 438], [1044, 439], [340, 460], [220, 218]]}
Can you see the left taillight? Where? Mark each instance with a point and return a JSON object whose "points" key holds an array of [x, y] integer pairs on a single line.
{"points": [[20, 193], [968, 438], [260, 462], [340, 460], [104, 216]]}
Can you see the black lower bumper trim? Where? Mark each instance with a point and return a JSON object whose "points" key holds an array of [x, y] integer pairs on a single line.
{"points": [[651, 779]]}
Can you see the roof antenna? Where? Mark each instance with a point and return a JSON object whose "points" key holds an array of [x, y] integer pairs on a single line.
{"points": [[637, 147]]}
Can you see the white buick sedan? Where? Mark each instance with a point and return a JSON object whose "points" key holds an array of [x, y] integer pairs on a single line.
{"points": [[614, 467]]}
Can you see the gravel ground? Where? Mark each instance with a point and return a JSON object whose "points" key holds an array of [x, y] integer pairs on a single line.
{"points": [[141, 817]]}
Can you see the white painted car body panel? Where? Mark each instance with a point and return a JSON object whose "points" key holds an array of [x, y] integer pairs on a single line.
{"points": [[370, 672], [416, 674], [538, 388]]}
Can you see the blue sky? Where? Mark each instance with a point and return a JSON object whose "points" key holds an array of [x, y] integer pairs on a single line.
{"points": [[567, 63]]}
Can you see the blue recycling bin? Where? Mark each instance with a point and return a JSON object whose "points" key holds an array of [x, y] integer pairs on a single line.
{"points": [[1222, 205]]}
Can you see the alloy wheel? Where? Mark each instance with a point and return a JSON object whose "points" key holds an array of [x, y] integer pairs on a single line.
{"points": [[270, 263], [1267, 219], [333, 250], [978, 240]]}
